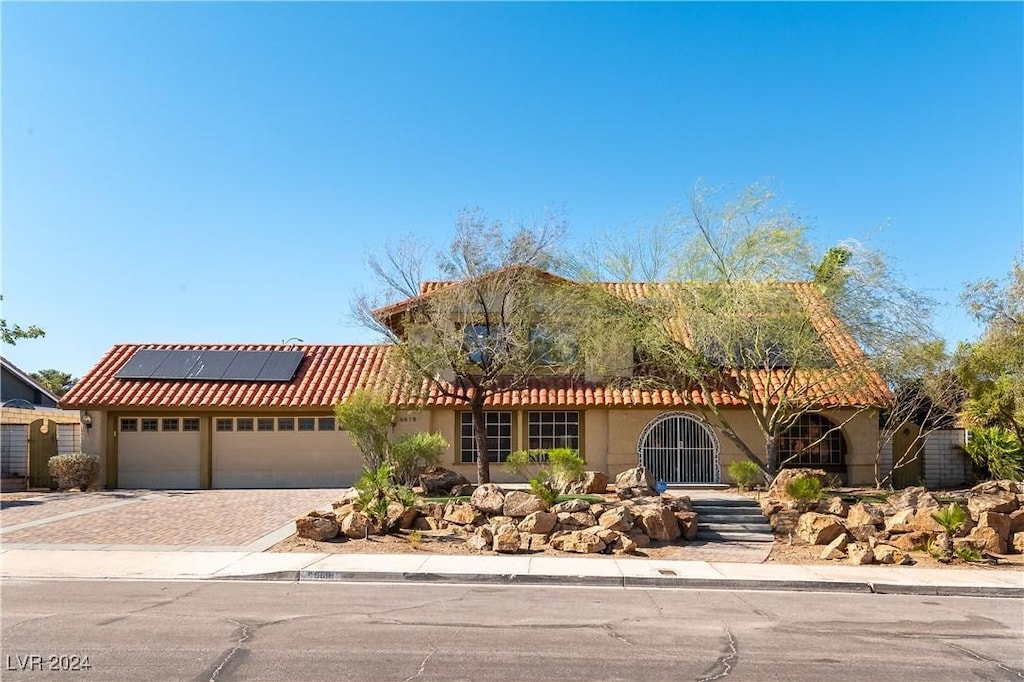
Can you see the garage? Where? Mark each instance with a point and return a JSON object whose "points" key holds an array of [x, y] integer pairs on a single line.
{"points": [[304, 451], [158, 452]]}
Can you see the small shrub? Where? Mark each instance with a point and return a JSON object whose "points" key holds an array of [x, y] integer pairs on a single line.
{"points": [[806, 490], [377, 490], [566, 467], [541, 487], [746, 474], [415, 538], [414, 452], [968, 554], [75, 470]]}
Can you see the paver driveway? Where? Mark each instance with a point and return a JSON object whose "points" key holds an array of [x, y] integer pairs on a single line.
{"points": [[191, 519]]}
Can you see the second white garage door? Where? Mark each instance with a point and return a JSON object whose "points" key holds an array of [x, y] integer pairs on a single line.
{"points": [[282, 452]]}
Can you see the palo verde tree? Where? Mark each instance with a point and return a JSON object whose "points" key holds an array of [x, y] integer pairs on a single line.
{"points": [[746, 315], [992, 368], [11, 333], [496, 320]]}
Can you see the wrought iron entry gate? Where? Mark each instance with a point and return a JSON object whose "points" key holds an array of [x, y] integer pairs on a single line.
{"points": [[679, 448]]}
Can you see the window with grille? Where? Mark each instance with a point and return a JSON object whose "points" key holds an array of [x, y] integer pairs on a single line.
{"points": [[169, 424], [150, 425], [224, 424], [190, 424], [326, 423], [265, 424], [244, 424], [813, 441], [307, 424], [499, 436], [550, 430], [130, 424]]}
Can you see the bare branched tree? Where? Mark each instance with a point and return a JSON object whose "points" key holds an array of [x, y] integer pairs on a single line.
{"points": [[495, 321]]}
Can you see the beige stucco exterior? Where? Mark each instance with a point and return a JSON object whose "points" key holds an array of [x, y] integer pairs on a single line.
{"points": [[209, 458]]}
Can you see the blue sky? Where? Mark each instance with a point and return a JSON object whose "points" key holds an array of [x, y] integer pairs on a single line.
{"points": [[217, 172]]}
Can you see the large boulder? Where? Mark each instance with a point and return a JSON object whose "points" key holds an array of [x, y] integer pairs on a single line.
{"points": [[345, 498], [636, 482], [777, 489], [658, 522], [1001, 524], [506, 539], [461, 513], [356, 525], [865, 513], [440, 481], [582, 519], [819, 529], [317, 526], [860, 554], [771, 506], [519, 504], [1000, 501], [538, 523], [617, 518], [901, 521], [913, 498], [624, 544], [865, 532], [784, 522], [488, 499], [912, 541], [923, 521], [987, 538], [400, 516], [835, 549], [592, 483], [678, 503], [836, 506], [887, 554], [687, 521], [991, 487], [578, 542]]}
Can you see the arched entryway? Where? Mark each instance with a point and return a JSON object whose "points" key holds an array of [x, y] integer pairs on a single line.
{"points": [[677, 447]]}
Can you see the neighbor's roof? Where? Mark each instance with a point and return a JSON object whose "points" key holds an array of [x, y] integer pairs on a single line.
{"points": [[26, 378]]}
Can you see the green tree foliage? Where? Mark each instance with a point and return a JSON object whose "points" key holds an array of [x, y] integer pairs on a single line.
{"points": [[11, 333], [369, 418], [727, 320], [495, 322], [55, 381], [996, 451], [992, 368]]}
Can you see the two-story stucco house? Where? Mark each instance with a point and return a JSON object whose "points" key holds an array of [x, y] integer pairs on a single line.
{"points": [[258, 415]]}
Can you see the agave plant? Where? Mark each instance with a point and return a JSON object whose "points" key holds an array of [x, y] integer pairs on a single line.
{"points": [[950, 518]]}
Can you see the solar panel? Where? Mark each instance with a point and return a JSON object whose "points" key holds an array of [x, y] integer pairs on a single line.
{"points": [[177, 364], [281, 366], [142, 364], [211, 365], [246, 365]]}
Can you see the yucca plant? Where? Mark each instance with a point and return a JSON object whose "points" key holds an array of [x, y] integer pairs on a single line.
{"points": [[950, 518], [377, 489]]}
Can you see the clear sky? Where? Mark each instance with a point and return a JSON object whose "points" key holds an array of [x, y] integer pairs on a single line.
{"points": [[206, 172]]}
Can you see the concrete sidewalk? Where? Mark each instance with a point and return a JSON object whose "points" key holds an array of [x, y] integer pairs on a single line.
{"points": [[16, 564]]}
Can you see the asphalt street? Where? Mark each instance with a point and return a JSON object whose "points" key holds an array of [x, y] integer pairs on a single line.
{"points": [[121, 630]]}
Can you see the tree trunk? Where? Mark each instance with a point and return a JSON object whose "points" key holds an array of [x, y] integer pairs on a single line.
{"points": [[771, 452], [483, 455]]}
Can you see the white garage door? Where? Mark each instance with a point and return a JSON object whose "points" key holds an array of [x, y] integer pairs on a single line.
{"points": [[159, 453], [282, 452]]}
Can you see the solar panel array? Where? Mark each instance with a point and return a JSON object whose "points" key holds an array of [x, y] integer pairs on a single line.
{"points": [[212, 365]]}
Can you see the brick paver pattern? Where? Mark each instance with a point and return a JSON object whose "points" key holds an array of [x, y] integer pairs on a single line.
{"points": [[192, 518], [46, 505]]}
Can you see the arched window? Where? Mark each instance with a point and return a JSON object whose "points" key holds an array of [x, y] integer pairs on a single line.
{"points": [[813, 441]]}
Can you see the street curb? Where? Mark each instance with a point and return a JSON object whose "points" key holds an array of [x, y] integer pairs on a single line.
{"points": [[308, 576]]}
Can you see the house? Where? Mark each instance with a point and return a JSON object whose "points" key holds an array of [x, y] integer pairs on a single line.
{"points": [[236, 415], [32, 429]]}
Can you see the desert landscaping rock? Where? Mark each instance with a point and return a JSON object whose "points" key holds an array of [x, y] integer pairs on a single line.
{"points": [[538, 522], [784, 522], [578, 542], [835, 549], [659, 523], [777, 489], [912, 541], [912, 498], [441, 481], [506, 539], [819, 529], [317, 526], [900, 522], [860, 554], [355, 525], [636, 482], [461, 513], [571, 506], [519, 504], [988, 539], [617, 518], [582, 519], [865, 532], [488, 499], [836, 506], [592, 483], [687, 521], [1018, 542], [1003, 502], [864, 513]]}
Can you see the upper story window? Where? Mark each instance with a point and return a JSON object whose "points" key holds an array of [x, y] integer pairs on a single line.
{"points": [[813, 441], [481, 342], [548, 347], [499, 436]]}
